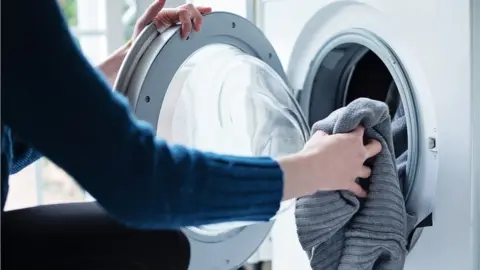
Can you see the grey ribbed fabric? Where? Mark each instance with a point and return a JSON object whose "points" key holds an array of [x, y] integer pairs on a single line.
{"points": [[339, 231], [400, 145]]}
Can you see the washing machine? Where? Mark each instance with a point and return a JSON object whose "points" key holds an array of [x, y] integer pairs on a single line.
{"points": [[245, 89]]}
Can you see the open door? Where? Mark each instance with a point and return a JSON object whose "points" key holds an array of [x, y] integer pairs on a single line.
{"points": [[222, 90]]}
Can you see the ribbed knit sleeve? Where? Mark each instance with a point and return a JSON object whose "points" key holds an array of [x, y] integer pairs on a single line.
{"points": [[55, 101]]}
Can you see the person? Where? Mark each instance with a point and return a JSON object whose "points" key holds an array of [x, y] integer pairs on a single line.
{"points": [[54, 104]]}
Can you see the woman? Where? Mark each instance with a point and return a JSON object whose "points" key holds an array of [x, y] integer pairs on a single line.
{"points": [[54, 103]]}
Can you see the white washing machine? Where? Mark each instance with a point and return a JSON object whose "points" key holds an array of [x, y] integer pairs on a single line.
{"points": [[225, 90]]}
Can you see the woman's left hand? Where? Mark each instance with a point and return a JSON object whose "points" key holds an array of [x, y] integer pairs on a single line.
{"points": [[188, 15]]}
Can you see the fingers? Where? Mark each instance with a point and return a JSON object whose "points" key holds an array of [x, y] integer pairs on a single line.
{"points": [[185, 20], [188, 15], [365, 172], [204, 10], [320, 133], [196, 16], [373, 148], [357, 190], [359, 131], [151, 12]]}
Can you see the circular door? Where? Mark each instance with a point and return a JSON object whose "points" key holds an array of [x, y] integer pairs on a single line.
{"points": [[221, 90]]}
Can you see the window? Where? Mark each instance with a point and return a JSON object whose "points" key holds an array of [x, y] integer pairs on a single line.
{"points": [[238, 7], [98, 28]]}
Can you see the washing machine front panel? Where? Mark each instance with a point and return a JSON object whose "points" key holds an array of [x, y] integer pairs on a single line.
{"points": [[221, 90], [435, 55]]}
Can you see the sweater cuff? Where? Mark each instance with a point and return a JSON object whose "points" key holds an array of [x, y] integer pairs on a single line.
{"points": [[242, 188]]}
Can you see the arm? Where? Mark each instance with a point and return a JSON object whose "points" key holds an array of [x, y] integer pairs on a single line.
{"points": [[110, 66], [56, 101], [23, 154]]}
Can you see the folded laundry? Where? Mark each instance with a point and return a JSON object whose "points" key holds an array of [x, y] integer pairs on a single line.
{"points": [[339, 231]]}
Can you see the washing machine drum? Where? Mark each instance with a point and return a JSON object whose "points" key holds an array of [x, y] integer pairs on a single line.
{"points": [[222, 90]]}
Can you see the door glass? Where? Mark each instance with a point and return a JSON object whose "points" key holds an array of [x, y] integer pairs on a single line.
{"points": [[225, 101]]}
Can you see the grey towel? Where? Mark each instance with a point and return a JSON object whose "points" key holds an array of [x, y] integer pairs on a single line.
{"points": [[340, 231], [400, 145]]}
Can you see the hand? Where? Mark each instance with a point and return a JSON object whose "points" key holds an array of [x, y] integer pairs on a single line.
{"points": [[328, 162], [164, 18]]}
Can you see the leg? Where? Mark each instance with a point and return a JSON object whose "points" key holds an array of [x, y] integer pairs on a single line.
{"points": [[82, 236]]}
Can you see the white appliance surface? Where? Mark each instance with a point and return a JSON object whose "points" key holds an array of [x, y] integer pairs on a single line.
{"points": [[433, 40]]}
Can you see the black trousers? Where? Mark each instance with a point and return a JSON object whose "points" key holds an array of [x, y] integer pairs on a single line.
{"points": [[81, 236]]}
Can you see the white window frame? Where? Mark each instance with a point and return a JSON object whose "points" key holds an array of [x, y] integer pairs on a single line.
{"points": [[110, 17]]}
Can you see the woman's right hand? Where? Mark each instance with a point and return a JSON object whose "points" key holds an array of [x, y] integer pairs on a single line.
{"points": [[328, 162]]}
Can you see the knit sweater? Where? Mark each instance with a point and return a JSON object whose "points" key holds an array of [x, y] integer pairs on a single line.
{"points": [[339, 231], [54, 103]]}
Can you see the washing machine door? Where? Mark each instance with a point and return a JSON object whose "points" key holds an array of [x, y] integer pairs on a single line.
{"points": [[222, 90]]}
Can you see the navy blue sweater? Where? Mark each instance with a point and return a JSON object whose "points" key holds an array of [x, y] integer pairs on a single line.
{"points": [[54, 103]]}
